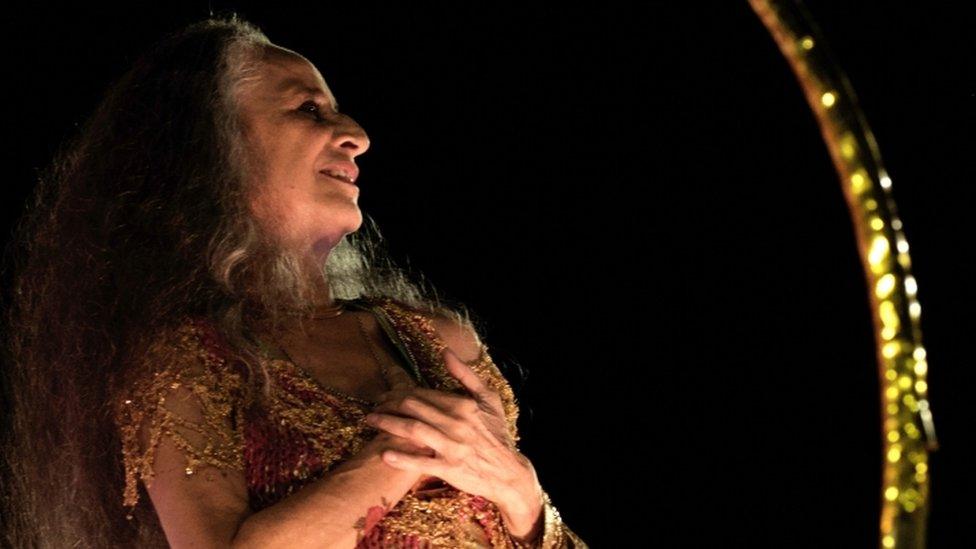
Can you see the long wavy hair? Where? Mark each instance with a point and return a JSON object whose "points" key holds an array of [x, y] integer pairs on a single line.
{"points": [[141, 219]]}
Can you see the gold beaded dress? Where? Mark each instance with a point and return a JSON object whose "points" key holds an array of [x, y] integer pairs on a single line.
{"points": [[308, 429]]}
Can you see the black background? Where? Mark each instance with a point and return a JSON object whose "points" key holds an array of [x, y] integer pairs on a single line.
{"points": [[638, 203]]}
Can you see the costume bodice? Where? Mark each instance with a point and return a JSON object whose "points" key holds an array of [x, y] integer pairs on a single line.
{"points": [[303, 429]]}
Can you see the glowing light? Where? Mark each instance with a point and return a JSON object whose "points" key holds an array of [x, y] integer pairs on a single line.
{"points": [[806, 43], [890, 350], [910, 402], [893, 436], [884, 286], [921, 386], [871, 204], [902, 244], [892, 393], [911, 286], [891, 494], [919, 353], [904, 382], [885, 182], [921, 367], [859, 181], [888, 541], [914, 309], [828, 99], [877, 224], [848, 146], [896, 224], [894, 454], [878, 253], [889, 317], [892, 408]]}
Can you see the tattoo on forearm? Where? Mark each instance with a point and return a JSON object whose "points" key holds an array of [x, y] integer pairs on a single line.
{"points": [[364, 525]]}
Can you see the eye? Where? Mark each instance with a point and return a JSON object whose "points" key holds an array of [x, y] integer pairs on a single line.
{"points": [[312, 108]]}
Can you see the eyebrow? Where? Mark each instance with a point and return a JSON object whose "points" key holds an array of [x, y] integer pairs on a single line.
{"points": [[293, 86]]}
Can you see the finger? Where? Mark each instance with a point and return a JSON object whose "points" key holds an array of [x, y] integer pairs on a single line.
{"points": [[416, 408], [432, 466], [417, 431], [451, 403], [467, 376]]}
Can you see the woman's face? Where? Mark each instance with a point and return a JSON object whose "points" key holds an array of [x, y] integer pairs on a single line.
{"points": [[294, 131]]}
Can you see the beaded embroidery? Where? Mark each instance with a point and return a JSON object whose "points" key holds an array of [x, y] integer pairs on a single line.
{"points": [[305, 432]]}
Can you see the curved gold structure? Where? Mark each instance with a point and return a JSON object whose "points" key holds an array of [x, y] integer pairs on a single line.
{"points": [[907, 429]]}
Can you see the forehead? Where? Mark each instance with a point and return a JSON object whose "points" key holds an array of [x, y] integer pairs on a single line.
{"points": [[287, 75]]}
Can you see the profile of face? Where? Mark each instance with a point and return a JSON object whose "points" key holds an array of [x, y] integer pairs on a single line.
{"points": [[294, 131]]}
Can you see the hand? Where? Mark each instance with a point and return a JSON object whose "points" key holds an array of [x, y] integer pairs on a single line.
{"points": [[473, 449]]}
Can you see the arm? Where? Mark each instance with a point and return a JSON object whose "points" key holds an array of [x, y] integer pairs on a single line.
{"points": [[547, 529], [334, 510], [182, 435]]}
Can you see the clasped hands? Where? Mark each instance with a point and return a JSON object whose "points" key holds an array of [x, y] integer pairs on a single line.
{"points": [[469, 438]]}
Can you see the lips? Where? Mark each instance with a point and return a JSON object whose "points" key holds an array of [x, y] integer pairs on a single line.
{"points": [[350, 170]]}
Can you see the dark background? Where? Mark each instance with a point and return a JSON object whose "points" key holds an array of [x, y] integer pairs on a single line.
{"points": [[638, 204]]}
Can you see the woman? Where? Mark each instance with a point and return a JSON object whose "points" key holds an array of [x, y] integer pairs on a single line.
{"points": [[198, 320]]}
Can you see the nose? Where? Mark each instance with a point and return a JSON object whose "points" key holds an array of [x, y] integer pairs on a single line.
{"points": [[352, 136]]}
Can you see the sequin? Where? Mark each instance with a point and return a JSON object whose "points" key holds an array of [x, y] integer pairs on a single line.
{"points": [[305, 431]]}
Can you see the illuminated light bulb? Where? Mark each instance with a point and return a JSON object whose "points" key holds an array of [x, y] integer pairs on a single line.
{"points": [[889, 317], [806, 43], [878, 252], [902, 244], [891, 494], [896, 224], [848, 146], [894, 454], [892, 408], [828, 99], [909, 506], [904, 382], [885, 181], [888, 333], [884, 286], [921, 367], [877, 224], [890, 350], [910, 402], [893, 436], [871, 204], [919, 353], [921, 386], [914, 309], [905, 261], [892, 393], [891, 374], [911, 286], [888, 541], [859, 181], [921, 467]]}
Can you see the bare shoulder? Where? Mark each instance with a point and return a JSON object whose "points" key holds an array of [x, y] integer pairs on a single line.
{"points": [[459, 335]]}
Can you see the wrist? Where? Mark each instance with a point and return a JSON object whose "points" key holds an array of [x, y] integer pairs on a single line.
{"points": [[524, 517]]}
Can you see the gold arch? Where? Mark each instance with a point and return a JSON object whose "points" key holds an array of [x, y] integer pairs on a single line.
{"points": [[908, 432]]}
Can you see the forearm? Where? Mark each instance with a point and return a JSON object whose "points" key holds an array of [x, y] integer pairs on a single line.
{"points": [[330, 511]]}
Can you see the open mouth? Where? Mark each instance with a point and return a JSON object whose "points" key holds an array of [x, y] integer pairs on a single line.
{"points": [[337, 177]]}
